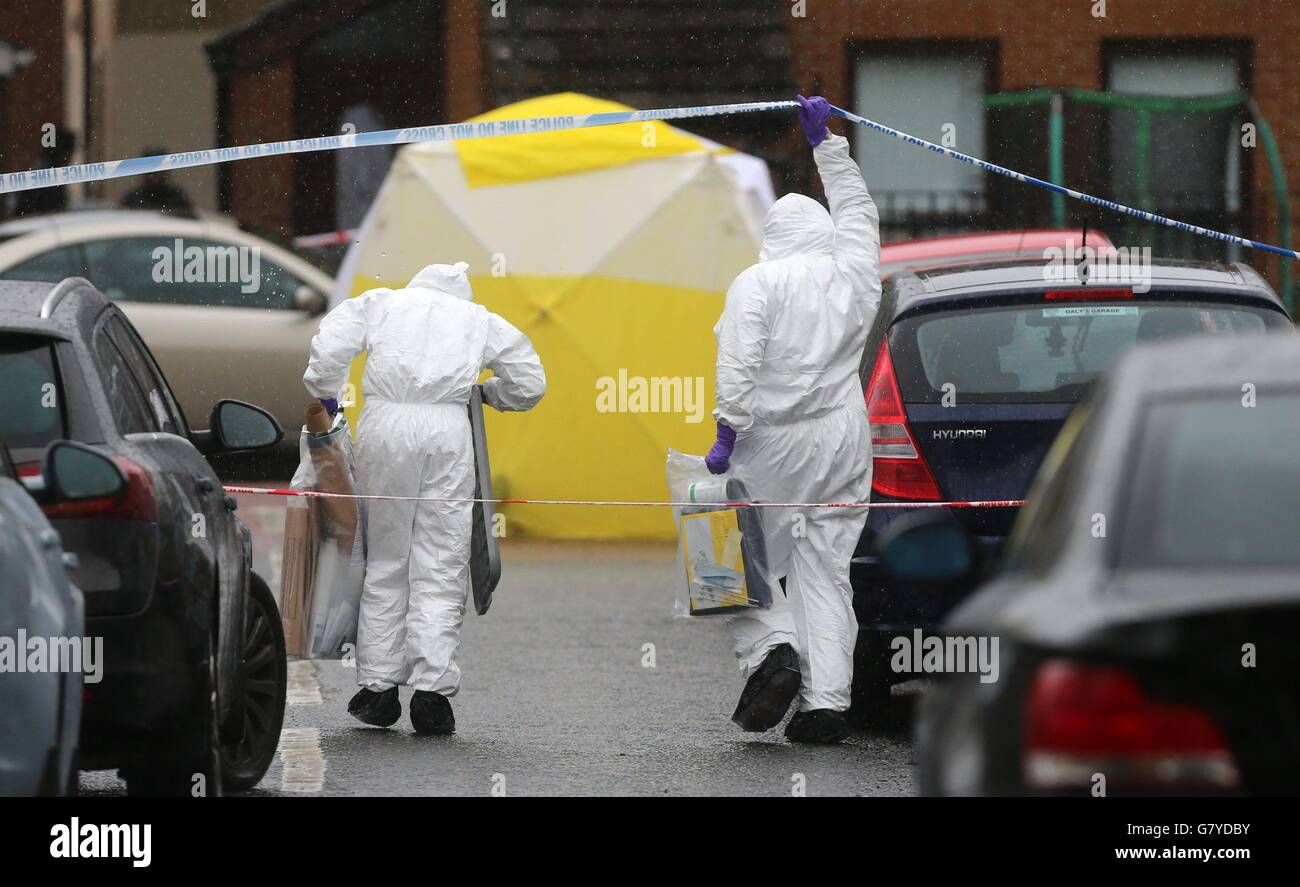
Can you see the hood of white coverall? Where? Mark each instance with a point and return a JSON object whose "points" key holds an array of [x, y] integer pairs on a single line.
{"points": [[797, 225], [447, 279]]}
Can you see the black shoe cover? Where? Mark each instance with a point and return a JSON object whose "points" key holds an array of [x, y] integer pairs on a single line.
{"points": [[820, 725], [431, 714], [380, 709], [769, 691]]}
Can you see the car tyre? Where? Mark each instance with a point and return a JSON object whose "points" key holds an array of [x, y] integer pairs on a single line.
{"points": [[264, 683]]}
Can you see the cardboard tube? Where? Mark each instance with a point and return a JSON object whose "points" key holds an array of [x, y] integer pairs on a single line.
{"points": [[318, 418], [296, 575]]}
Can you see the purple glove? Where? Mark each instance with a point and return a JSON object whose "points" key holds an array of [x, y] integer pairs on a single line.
{"points": [[719, 458], [331, 405], [813, 115]]}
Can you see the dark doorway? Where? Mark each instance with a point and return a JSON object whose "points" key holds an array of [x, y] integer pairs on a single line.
{"points": [[380, 70]]}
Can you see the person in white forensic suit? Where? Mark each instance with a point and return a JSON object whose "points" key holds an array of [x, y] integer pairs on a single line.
{"points": [[425, 347], [792, 425]]}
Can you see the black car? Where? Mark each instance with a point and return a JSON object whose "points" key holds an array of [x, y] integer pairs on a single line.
{"points": [[193, 692], [1148, 606], [969, 374]]}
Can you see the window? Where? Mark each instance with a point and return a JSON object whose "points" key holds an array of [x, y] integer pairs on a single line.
{"points": [[188, 271], [1045, 352], [166, 413], [1218, 485], [48, 267], [31, 398], [931, 92], [1196, 151], [1046, 519], [132, 413]]}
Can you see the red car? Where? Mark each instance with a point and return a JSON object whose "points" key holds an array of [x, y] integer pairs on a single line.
{"points": [[962, 249]]}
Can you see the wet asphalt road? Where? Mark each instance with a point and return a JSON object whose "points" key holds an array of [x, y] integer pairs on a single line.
{"points": [[556, 700]]}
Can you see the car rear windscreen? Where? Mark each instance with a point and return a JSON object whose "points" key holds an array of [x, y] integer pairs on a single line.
{"points": [[1218, 484], [31, 408], [1046, 352]]}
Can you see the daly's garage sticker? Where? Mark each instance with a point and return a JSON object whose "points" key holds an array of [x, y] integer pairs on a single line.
{"points": [[1090, 310]]}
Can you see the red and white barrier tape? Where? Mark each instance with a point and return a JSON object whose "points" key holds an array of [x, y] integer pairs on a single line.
{"points": [[329, 238], [314, 494]]}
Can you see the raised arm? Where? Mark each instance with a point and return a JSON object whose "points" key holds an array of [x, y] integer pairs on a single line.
{"points": [[857, 222]]}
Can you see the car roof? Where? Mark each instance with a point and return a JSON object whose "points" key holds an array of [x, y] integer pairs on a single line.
{"points": [[928, 249], [34, 235], [76, 306], [96, 215], [1209, 364], [915, 290]]}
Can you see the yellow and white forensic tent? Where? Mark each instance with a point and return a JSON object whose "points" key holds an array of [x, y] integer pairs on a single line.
{"points": [[611, 248]]}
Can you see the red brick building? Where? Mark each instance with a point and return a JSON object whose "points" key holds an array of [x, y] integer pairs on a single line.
{"points": [[302, 68], [938, 68], [904, 60], [299, 67]]}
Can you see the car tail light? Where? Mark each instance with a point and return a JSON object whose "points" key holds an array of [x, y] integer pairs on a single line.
{"points": [[1091, 292], [136, 501], [1082, 720], [28, 469], [898, 468]]}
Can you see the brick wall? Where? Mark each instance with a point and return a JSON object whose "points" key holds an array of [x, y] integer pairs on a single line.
{"points": [[34, 96], [1059, 43]]}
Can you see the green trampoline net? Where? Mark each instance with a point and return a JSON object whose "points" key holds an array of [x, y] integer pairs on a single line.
{"points": [[1191, 159]]}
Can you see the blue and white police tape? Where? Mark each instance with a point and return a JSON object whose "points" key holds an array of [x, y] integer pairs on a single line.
{"points": [[447, 132], [1061, 189], [451, 132]]}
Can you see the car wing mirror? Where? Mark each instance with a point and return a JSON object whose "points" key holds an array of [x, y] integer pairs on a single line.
{"points": [[311, 300], [74, 472], [235, 425]]}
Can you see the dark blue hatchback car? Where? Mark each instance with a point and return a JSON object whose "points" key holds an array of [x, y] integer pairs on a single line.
{"points": [[970, 372]]}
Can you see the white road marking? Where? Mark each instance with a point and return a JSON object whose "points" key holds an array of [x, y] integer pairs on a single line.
{"points": [[304, 689], [304, 762], [300, 751]]}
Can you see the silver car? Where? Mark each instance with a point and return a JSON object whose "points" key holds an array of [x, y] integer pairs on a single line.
{"points": [[42, 621], [226, 313]]}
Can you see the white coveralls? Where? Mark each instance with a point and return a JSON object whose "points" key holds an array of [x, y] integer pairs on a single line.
{"points": [[426, 346], [789, 344]]}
